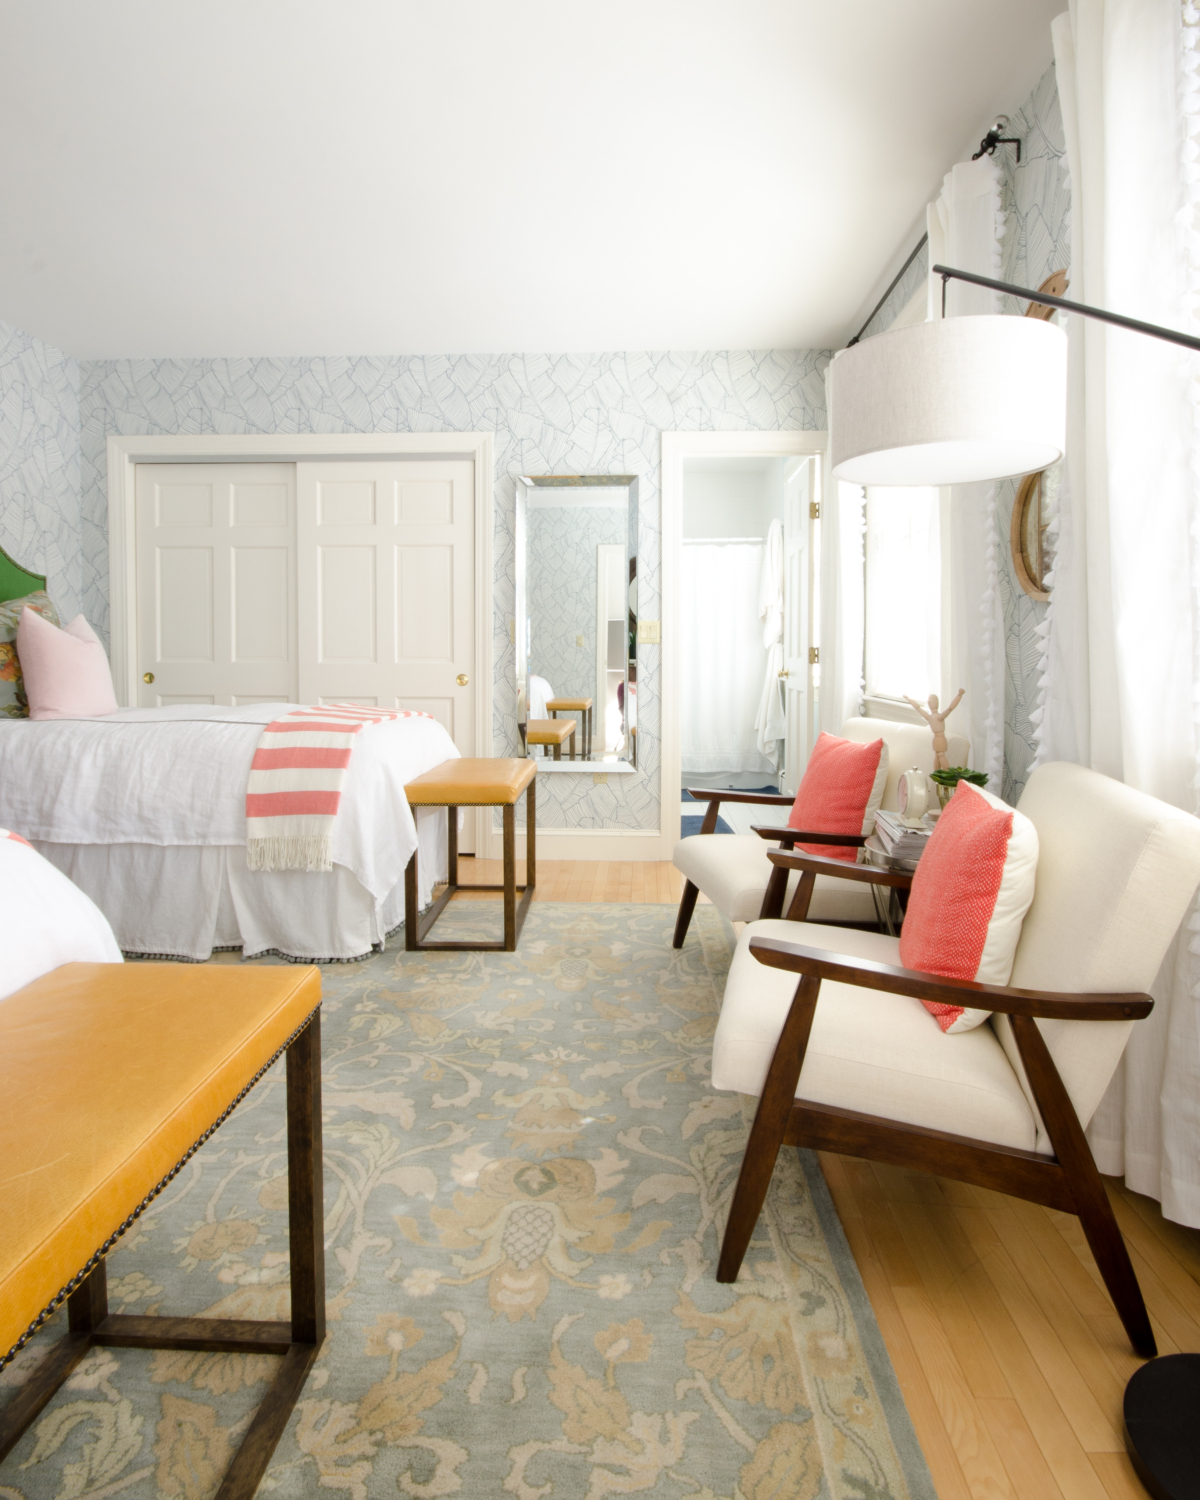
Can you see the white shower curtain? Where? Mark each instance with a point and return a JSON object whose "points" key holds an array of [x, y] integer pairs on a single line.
{"points": [[723, 658]]}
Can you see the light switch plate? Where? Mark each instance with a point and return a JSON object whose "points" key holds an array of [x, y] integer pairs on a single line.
{"points": [[649, 633]]}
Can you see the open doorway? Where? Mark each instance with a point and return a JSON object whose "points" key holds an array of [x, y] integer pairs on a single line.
{"points": [[731, 707], [740, 535]]}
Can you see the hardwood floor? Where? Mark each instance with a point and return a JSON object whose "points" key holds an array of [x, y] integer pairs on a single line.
{"points": [[1008, 1351]]}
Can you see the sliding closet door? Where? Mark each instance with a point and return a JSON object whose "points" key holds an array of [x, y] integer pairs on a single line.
{"points": [[216, 572], [386, 570]]}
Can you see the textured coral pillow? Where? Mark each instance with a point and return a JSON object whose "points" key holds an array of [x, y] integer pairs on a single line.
{"points": [[969, 897], [66, 671], [841, 792]]}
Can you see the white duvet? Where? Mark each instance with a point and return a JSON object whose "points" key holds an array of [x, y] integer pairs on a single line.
{"points": [[177, 776]]}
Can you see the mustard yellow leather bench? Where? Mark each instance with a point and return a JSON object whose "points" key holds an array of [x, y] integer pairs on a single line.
{"points": [[476, 782], [581, 706], [552, 733], [111, 1077]]}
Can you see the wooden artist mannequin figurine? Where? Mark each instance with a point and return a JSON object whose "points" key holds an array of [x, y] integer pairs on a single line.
{"points": [[937, 722]]}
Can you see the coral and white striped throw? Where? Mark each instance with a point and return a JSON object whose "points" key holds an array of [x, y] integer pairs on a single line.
{"points": [[296, 782]]}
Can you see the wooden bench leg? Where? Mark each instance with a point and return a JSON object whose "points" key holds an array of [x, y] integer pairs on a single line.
{"points": [[510, 877]]}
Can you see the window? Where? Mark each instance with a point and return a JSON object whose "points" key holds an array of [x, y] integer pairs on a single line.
{"points": [[903, 592]]}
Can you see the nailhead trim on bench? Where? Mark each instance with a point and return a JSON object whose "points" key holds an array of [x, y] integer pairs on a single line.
{"points": [[78, 1279]]}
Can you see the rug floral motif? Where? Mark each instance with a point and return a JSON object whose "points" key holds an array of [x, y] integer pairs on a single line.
{"points": [[526, 1176]]}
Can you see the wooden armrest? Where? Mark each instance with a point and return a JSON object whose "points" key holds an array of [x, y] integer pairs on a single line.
{"points": [[714, 794], [1045, 1004], [794, 835], [817, 864]]}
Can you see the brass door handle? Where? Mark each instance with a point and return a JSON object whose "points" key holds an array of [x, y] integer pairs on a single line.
{"points": [[462, 679], [784, 672], [147, 676]]}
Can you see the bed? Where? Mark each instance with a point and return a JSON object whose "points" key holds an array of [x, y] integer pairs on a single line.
{"points": [[144, 810]]}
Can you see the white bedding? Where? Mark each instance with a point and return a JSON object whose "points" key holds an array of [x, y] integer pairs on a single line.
{"points": [[145, 811], [47, 921], [178, 776]]}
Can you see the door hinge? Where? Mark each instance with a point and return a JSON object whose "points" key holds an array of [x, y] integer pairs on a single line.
{"points": [[814, 655], [814, 510]]}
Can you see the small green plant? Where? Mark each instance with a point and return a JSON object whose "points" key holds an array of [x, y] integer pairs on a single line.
{"points": [[955, 774]]}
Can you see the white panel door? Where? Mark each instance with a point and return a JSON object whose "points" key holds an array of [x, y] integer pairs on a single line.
{"points": [[386, 568], [216, 570]]}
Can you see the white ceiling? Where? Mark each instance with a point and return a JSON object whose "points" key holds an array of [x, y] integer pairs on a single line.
{"points": [[264, 177]]}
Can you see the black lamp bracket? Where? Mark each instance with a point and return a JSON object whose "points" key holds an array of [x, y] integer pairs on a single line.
{"points": [[996, 137]]}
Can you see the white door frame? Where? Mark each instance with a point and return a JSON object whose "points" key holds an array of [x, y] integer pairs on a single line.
{"points": [[676, 446], [125, 452]]}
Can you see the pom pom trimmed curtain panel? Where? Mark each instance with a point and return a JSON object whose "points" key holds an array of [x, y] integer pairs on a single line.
{"points": [[1121, 669]]}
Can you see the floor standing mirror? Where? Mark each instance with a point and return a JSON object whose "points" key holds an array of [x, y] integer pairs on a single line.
{"points": [[576, 612]]}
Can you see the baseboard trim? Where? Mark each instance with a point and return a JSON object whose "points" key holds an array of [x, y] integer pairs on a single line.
{"points": [[621, 844]]}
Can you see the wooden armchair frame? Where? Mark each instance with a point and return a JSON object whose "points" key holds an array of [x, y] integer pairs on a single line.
{"points": [[1067, 1181], [786, 836]]}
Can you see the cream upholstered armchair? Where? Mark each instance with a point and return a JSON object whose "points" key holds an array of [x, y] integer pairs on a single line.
{"points": [[832, 1036], [733, 869]]}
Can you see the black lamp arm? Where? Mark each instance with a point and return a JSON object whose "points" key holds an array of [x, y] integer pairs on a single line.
{"points": [[1171, 335]]}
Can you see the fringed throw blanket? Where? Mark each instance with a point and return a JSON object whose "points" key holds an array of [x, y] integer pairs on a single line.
{"points": [[296, 782]]}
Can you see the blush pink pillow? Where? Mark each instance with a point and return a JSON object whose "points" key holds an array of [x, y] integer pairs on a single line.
{"points": [[969, 897], [840, 793], [66, 671]]}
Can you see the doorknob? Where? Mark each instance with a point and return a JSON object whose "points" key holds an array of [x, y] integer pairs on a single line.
{"points": [[462, 679], [147, 676], [784, 672]]}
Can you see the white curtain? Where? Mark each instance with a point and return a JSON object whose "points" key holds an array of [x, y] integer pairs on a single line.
{"points": [[842, 605], [723, 658], [1121, 681], [966, 227]]}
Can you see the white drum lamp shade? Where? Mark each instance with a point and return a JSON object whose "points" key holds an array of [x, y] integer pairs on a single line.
{"points": [[949, 402]]}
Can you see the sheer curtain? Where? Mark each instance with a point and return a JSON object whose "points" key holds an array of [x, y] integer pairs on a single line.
{"points": [[1121, 683], [966, 226], [724, 658]]}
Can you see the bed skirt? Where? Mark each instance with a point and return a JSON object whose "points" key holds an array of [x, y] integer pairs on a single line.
{"points": [[184, 901]]}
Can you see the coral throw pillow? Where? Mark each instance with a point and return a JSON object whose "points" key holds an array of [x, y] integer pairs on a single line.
{"points": [[841, 792], [66, 671], [969, 897]]}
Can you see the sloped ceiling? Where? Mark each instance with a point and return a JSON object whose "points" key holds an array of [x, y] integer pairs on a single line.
{"points": [[224, 177]]}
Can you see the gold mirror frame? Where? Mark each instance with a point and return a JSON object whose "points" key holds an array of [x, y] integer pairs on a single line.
{"points": [[1027, 541], [1027, 535]]}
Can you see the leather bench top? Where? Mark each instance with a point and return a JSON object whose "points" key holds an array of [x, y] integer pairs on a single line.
{"points": [[578, 703], [471, 782], [108, 1074], [549, 731]]}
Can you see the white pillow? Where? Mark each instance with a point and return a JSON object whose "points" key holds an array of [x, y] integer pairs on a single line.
{"points": [[47, 920], [969, 897]]}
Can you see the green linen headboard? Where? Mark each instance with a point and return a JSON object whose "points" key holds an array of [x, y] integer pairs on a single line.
{"points": [[16, 581]]}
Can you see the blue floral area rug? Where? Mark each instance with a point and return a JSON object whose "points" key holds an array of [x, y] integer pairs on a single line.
{"points": [[526, 1180]]}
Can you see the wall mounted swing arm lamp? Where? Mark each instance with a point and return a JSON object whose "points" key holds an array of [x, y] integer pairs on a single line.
{"points": [[1153, 330], [959, 400]]}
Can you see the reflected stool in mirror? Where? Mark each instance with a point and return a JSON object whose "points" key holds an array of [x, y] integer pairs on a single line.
{"points": [[551, 732], [578, 706], [475, 782]]}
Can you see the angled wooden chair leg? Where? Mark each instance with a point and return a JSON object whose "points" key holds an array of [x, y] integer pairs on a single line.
{"points": [[687, 905], [1091, 1201], [769, 1128]]}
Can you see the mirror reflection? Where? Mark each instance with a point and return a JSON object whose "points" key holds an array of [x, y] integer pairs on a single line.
{"points": [[576, 578]]}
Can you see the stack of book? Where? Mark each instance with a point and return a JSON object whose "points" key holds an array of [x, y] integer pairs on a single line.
{"points": [[899, 843]]}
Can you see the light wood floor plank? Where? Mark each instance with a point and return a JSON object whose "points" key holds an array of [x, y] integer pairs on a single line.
{"points": [[1023, 1460], [1117, 1476], [973, 1443], [948, 1478]]}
